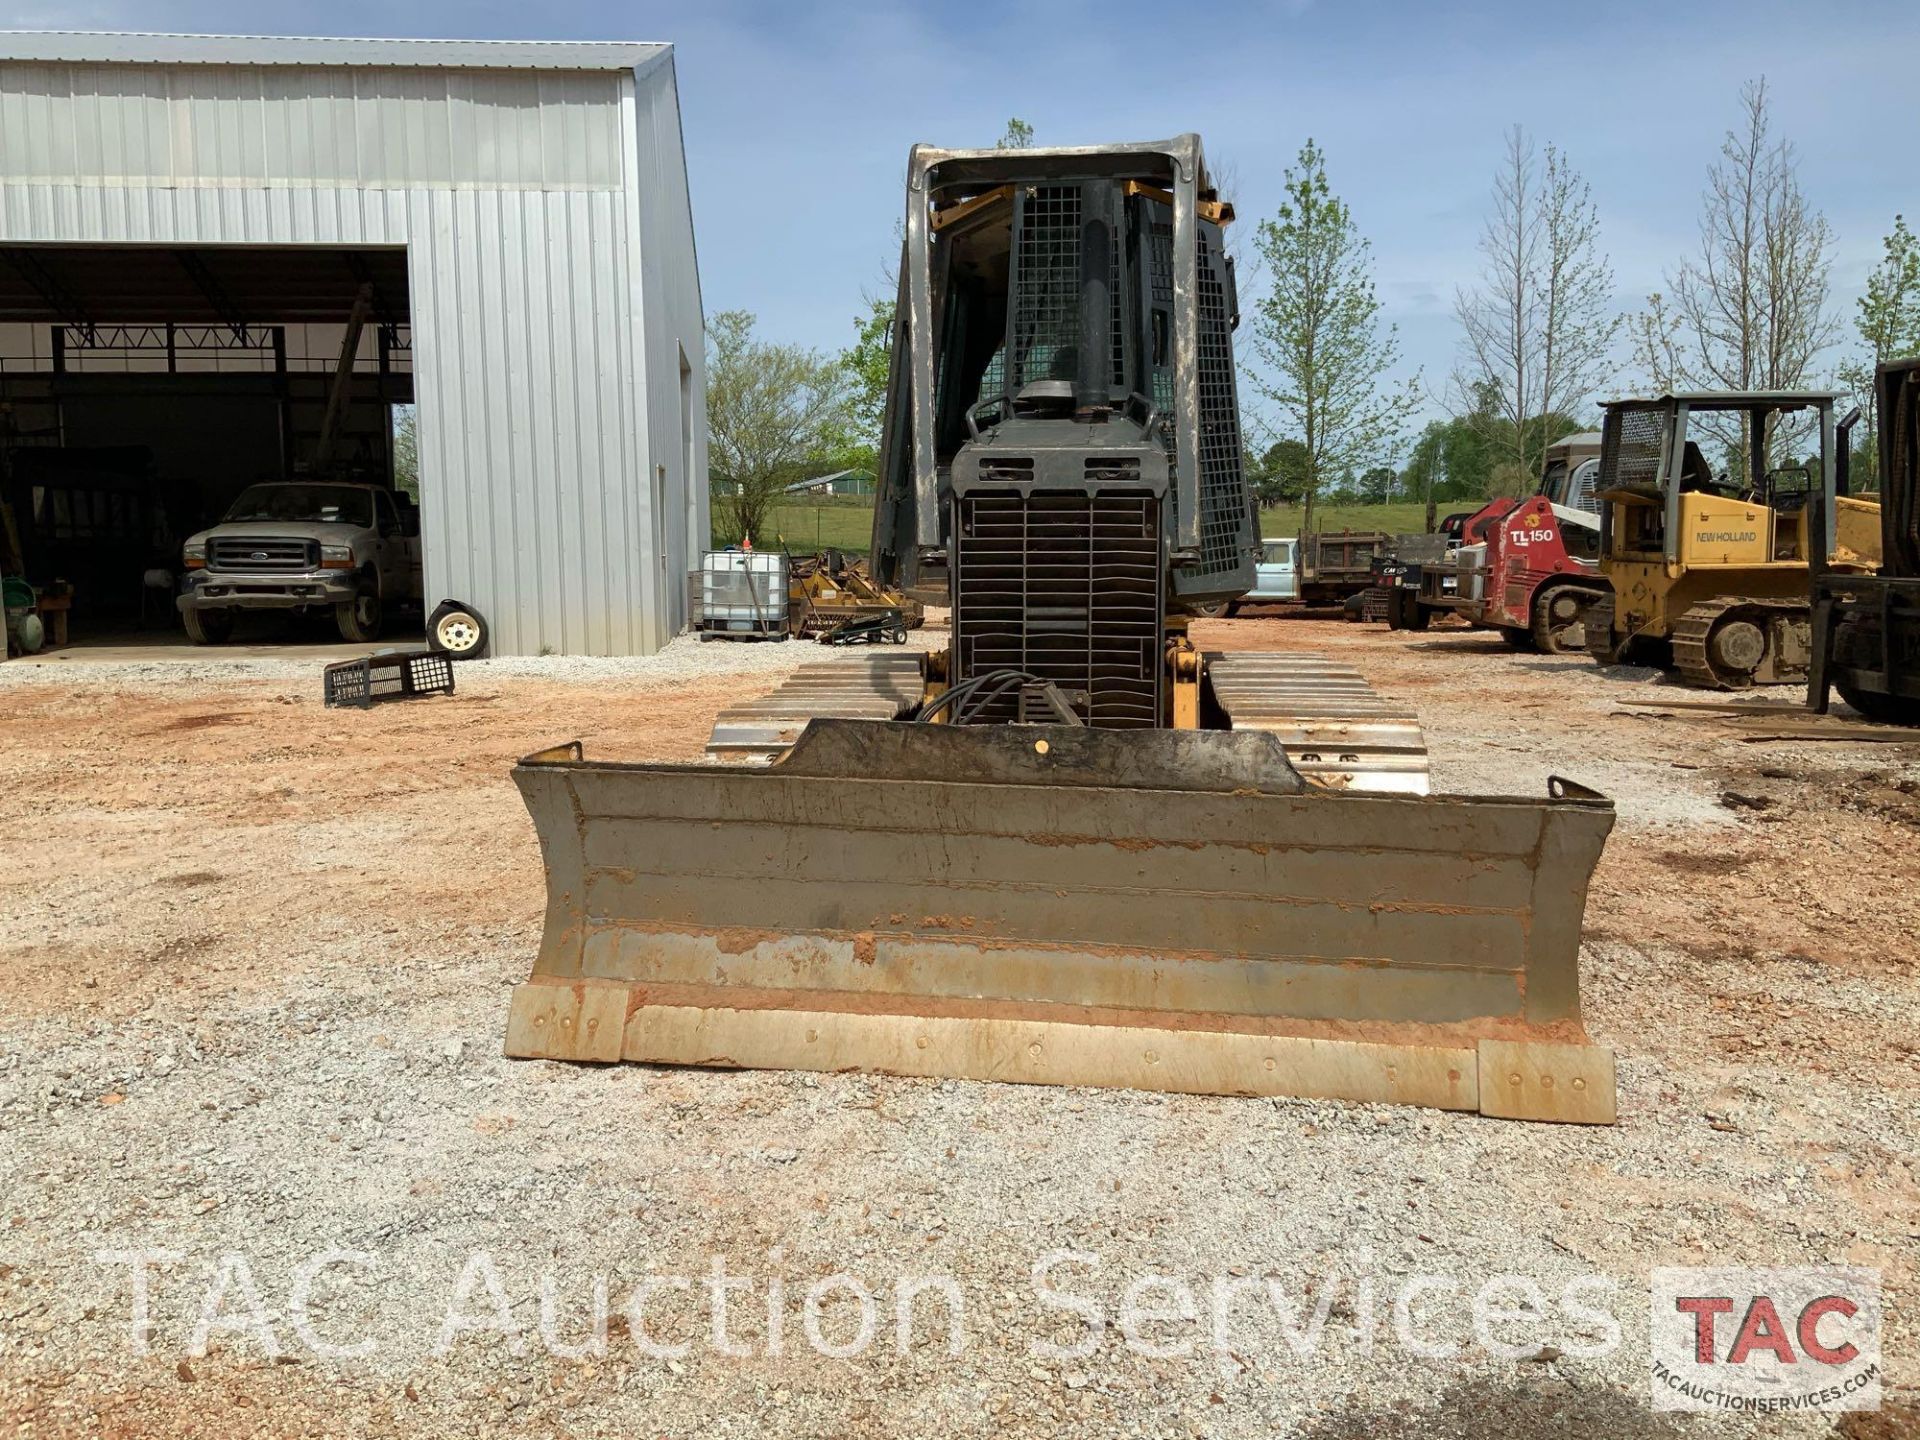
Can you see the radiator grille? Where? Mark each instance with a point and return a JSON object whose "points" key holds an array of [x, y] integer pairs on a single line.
{"points": [[237, 555], [1064, 586]]}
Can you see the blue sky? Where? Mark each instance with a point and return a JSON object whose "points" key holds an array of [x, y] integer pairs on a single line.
{"points": [[798, 117]]}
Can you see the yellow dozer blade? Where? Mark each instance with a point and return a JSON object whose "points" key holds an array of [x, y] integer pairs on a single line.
{"points": [[1163, 910]]}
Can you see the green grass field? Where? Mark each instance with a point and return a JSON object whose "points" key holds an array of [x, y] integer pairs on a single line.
{"points": [[845, 525], [848, 525], [807, 527], [1283, 520]]}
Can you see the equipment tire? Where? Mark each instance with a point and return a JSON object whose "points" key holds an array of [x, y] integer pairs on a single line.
{"points": [[208, 627], [360, 619], [458, 631], [1516, 638]]}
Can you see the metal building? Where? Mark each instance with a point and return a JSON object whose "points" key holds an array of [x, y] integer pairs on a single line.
{"points": [[520, 212]]}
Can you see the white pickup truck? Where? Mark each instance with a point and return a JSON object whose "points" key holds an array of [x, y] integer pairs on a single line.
{"points": [[302, 545]]}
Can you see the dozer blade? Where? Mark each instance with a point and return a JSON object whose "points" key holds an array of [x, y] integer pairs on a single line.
{"points": [[1162, 910]]}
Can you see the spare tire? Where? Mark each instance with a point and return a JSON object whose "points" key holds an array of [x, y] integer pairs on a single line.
{"points": [[457, 630]]}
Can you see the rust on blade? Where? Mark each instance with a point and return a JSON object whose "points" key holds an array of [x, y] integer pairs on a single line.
{"points": [[839, 888]]}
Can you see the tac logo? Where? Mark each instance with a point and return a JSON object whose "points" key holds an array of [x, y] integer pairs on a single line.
{"points": [[1766, 1340], [1531, 519]]}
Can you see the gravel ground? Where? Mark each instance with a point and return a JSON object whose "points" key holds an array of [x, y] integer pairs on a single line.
{"points": [[256, 957], [686, 657]]}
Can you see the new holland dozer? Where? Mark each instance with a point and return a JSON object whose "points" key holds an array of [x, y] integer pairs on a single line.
{"points": [[1708, 573], [1073, 848]]}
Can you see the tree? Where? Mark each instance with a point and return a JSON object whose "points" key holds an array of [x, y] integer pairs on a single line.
{"points": [[406, 450], [1889, 326], [1317, 328], [1378, 485], [772, 410], [1279, 474], [1749, 310], [1539, 329], [1017, 136], [1654, 339], [1468, 457], [868, 363]]}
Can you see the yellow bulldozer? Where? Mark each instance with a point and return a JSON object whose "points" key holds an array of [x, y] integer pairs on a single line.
{"points": [[1072, 848], [1711, 571]]}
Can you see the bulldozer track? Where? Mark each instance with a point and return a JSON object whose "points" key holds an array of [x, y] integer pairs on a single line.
{"points": [[1600, 630], [1695, 627], [1337, 732]]}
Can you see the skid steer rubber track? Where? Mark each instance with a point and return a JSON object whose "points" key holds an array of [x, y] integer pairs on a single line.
{"points": [[1162, 910], [1559, 610], [1337, 732], [1693, 641]]}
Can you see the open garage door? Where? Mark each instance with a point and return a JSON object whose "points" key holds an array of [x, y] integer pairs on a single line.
{"points": [[144, 388]]}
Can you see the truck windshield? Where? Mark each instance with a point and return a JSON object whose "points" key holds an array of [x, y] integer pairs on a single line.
{"points": [[344, 504]]}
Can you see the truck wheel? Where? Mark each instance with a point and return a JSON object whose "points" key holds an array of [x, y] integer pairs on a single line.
{"points": [[457, 631], [208, 627], [360, 618], [1417, 616]]}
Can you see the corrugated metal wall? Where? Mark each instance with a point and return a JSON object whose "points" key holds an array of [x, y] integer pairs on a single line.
{"points": [[552, 276]]}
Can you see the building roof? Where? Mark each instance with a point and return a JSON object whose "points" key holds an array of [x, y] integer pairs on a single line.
{"points": [[815, 482], [82, 47]]}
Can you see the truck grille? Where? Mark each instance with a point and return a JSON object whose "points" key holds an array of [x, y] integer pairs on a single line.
{"points": [[1065, 586], [240, 556]]}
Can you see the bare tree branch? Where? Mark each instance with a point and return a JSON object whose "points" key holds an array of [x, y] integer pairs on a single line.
{"points": [[1538, 331], [1749, 310]]}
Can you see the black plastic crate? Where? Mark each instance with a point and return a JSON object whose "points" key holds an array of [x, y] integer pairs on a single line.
{"points": [[392, 675]]}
